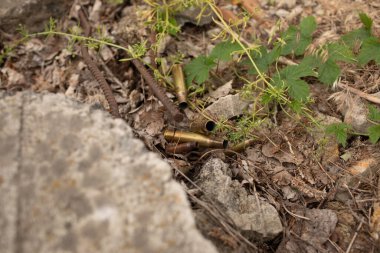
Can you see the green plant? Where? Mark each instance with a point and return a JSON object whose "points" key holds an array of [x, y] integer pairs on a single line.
{"points": [[374, 131], [340, 131], [198, 69], [287, 85], [275, 83], [74, 36]]}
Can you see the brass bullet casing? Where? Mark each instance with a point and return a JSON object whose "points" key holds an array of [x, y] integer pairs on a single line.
{"points": [[179, 83], [202, 125], [181, 148], [242, 145], [202, 140]]}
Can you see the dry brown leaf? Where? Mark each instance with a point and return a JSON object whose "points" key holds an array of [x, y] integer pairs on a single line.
{"points": [[152, 122], [270, 150]]}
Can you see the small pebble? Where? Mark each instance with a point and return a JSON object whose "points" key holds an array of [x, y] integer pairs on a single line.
{"points": [[282, 13], [288, 4]]}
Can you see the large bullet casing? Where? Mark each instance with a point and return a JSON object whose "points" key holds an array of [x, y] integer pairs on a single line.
{"points": [[180, 148], [202, 125]]}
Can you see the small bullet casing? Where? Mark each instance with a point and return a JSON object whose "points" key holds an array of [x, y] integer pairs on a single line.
{"points": [[180, 86], [203, 141], [242, 145]]}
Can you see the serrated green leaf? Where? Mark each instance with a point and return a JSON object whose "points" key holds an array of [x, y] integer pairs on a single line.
{"points": [[370, 51], [290, 77], [311, 61], [298, 39], [290, 38], [366, 20], [198, 69], [295, 72], [328, 72], [340, 52], [263, 59], [374, 133], [354, 36], [298, 90], [224, 50], [340, 131], [308, 26], [374, 113], [303, 43], [295, 42]]}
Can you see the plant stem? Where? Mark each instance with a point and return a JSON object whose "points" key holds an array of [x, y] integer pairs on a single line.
{"points": [[81, 38]]}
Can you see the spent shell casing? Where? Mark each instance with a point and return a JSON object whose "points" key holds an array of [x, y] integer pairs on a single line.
{"points": [[181, 148], [202, 124], [242, 145], [204, 141], [179, 83]]}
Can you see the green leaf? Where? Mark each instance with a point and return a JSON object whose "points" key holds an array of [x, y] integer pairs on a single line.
{"points": [[308, 26], [303, 43], [198, 69], [340, 52], [166, 24], [296, 106], [370, 51], [263, 59], [224, 50], [374, 113], [328, 72], [290, 77], [374, 133], [366, 20], [339, 130], [354, 36], [273, 93], [298, 90], [298, 39], [295, 41], [290, 38], [311, 61], [294, 72]]}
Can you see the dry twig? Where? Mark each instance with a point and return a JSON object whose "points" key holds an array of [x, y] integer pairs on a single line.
{"points": [[360, 93]]}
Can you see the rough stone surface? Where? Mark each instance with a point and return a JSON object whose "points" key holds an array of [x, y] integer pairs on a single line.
{"points": [[313, 233], [227, 107], [34, 14], [72, 179], [257, 218], [191, 15]]}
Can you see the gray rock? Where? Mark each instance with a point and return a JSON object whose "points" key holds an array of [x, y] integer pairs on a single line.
{"points": [[287, 3], [354, 109], [257, 218], [227, 107], [191, 15], [34, 14], [72, 179], [314, 232], [282, 13]]}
